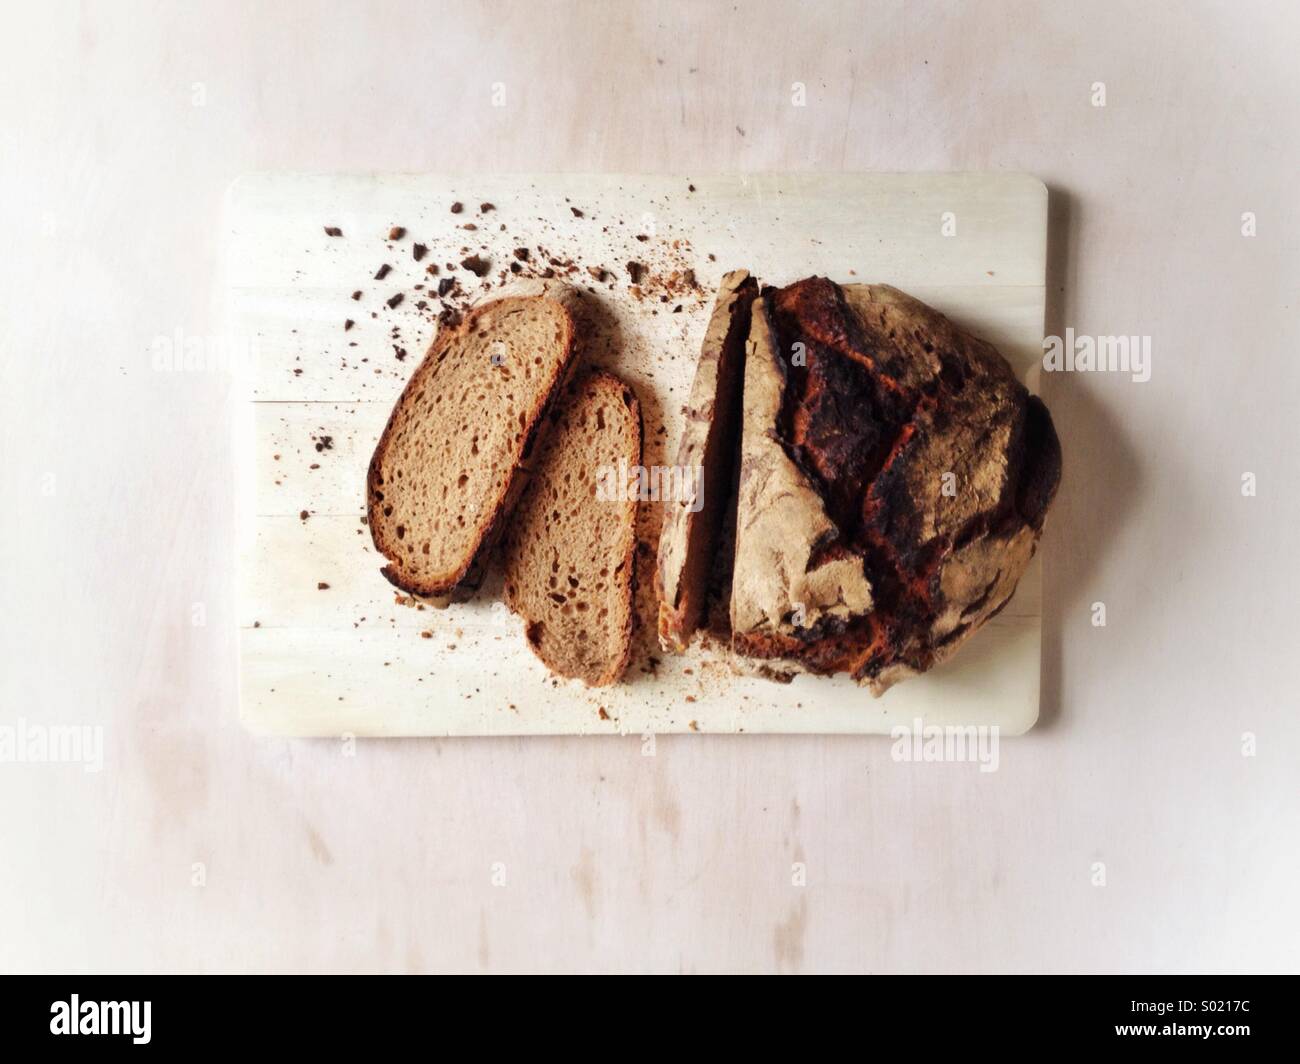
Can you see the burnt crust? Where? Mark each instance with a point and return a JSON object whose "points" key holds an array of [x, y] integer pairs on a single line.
{"points": [[888, 398]]}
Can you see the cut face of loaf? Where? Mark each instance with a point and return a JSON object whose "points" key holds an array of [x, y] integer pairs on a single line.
{"points": [[568, 555], [689, 540], [454, 455], [894, 481]]}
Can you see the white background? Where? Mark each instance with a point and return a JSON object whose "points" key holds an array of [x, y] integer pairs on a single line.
{"points": [[113, 162]]}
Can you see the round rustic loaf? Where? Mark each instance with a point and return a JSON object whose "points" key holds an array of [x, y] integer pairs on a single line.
{"points": [[895, 476]]}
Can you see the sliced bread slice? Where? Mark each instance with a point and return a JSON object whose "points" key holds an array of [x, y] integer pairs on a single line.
{"points": [[454, 456], [568, 555], [706, 457]]}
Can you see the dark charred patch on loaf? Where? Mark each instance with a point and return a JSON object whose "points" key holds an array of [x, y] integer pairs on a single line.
{"points": [[841, 417]]}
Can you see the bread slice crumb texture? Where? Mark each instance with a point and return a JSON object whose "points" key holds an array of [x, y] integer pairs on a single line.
{"points": [[568, 553], [459, 438]]}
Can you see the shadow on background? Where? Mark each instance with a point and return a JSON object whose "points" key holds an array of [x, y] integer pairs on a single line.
{"points": [[1101, 474]]}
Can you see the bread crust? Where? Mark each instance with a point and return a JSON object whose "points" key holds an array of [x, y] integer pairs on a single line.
{"points": [[893, 487], [460, 583]]}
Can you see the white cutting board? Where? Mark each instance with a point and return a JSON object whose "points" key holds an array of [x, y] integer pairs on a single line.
{"points": [[348, 659]]}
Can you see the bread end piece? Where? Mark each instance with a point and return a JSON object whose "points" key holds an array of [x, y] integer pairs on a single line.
{"points": [[705, 461]]}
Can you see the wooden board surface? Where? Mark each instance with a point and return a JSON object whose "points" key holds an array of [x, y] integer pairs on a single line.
{"points": [[347, 658]]}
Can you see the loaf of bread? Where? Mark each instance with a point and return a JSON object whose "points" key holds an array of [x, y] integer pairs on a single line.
{"points": [[894, 480], [454, 456]]}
